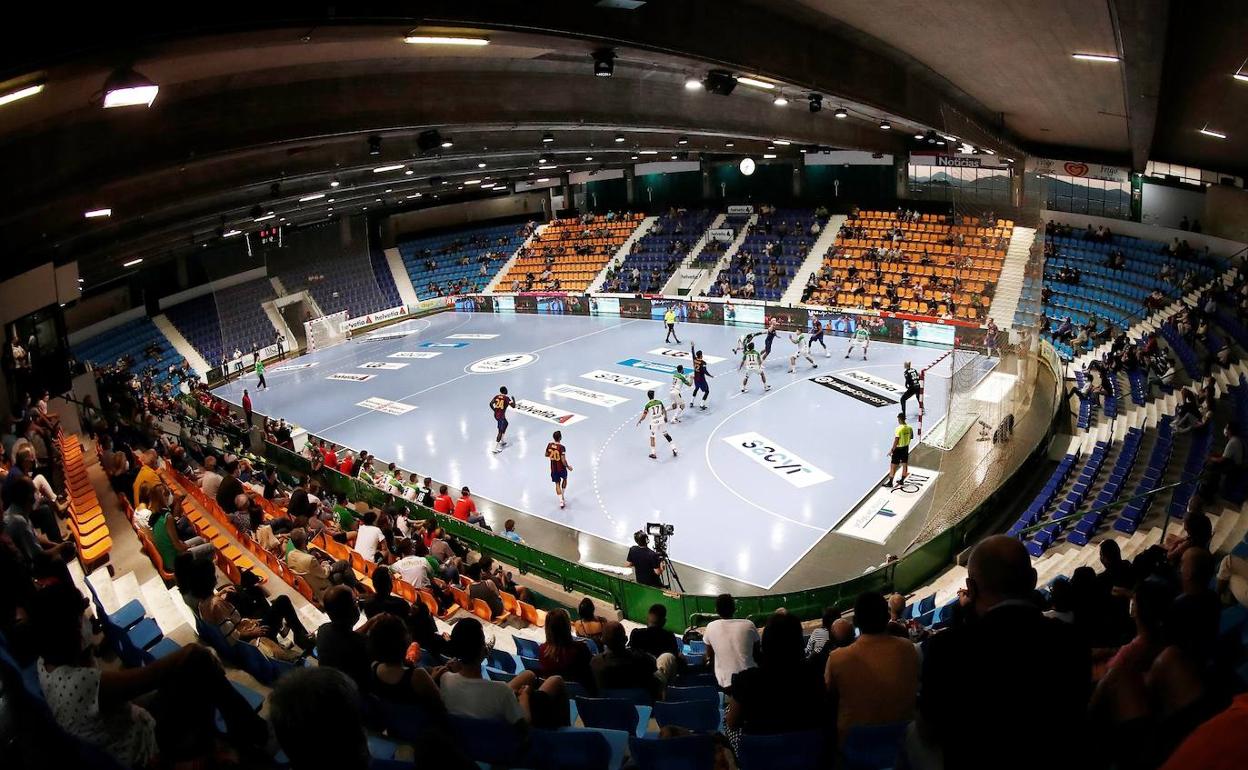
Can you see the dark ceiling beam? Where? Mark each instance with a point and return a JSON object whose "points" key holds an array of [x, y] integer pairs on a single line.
{"points": [[1141, 27]]}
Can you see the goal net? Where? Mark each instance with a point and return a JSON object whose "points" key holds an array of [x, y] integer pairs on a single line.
{"points": [[325, 331], [958, 376]]}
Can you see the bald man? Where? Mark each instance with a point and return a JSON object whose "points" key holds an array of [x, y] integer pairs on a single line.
{"points": [[987, 683]]}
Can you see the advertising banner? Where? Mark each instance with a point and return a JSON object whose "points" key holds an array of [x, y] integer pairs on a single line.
{"points": [[388, 314]]}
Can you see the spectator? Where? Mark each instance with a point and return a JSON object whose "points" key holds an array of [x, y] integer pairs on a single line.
{"points": [[302, 698], [1127, 670], [619, 667], [730, 642], [517, 702], [875, 679], [222, 609], [561, 655], [33, 548], [391, 678], [230, 487], [1197, 531], [210, 480], [509, 531], [997, 657], [368, 539], [443, 503], [820, 636], [338, 645], [187, 688], [383, 601], [1197, 608], [166, 534], [485, 589], [1230, 463], [653, 638], [147, 476], [783, 694], [588, 623], [311, 566], [412, 567]]}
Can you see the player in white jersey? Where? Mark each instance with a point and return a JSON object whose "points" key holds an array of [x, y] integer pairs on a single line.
{"points": [[751, 362], [861, 338], [657, 414], [680, 381], [803, 349], [744, 341]]}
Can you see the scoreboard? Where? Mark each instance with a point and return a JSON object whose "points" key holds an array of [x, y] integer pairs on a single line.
{"points": [[270, 236]]}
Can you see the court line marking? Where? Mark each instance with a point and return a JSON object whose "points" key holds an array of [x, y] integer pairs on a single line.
{"points": [[366, 412]]}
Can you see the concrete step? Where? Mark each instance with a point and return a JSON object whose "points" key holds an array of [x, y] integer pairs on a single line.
{"points": [[155, 597]]}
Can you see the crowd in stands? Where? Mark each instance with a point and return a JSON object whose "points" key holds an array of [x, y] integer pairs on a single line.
{"points": [[655, 256], [462, 262], [570, 253], [774, 247]]}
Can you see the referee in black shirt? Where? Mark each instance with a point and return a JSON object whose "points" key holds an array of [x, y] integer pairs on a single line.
{"points": [[913, 386]]}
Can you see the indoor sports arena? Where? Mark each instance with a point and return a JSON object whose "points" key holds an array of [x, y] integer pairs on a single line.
{"points": [[626, 384]]}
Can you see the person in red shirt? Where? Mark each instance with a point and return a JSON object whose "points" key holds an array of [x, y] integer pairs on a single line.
{"points": [[557, 453], [331, 457], [347, 464], [443, 503], [466, 509], [247, 406]]}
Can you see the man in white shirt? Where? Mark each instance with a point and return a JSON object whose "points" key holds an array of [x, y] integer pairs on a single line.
{"points": [[368, 537], [730, 642], [210, 481], [412, 568]]}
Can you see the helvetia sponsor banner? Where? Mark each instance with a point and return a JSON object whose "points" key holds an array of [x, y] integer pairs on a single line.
{"points": [[381, 365], [586, 395], [386, 406], [777, 459], [503, 363], [625, 380], [292, 367], [350, 377], [853, 391], [650, 366], [416, 354], [471, 336], [547, 413], [685, 355], [871, 381], [444, 344], [372, 318], [887, 507]]}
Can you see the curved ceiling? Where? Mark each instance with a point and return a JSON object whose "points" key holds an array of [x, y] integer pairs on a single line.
{"points": [[255, 97]]}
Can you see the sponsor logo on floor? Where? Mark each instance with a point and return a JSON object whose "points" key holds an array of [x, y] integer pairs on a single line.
{"points": [[386, 406], [350, 377], [547, 413], [383, 336], [471, 336], [444, 344], [626, 380], [685, 355], [777, 459], [380, 365], [853, 391], [503, 363], [650, 366], [585, 394], [415, 354], [292, 367], [887, 507], [871, 381]]}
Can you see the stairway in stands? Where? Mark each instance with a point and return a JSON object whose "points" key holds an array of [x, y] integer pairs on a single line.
{"points": [[814, 260], [1010, 282]]}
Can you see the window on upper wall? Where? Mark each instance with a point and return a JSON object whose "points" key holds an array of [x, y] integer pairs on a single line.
{"points": [[1080, 195], [1193, 176], [977, 186]]}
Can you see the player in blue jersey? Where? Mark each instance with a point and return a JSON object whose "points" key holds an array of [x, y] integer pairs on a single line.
{"points": [[700, 374], [816, 335], [499, 406], [557, 453], [773, 328]]}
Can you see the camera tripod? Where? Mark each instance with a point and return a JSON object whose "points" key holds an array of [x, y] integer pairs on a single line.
{"points": [[667, 574]]}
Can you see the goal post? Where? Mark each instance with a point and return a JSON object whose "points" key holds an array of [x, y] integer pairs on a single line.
{"points": [[326, 331]]}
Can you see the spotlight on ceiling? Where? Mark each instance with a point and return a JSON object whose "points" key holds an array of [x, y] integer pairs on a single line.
{"points": [[374, 145], [98, 213], [683, 140], [919, 136], [720, 82], [730, 144], [885, 125], [589, 157], [127, 88], [604, 63], [841, 112], [547, 138], [619, 138], [481, 165], [693, 84], [780, 101], [816, 102], [334, 182]]}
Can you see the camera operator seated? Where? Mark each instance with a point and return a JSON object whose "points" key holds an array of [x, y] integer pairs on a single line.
{"points": [[645, 562]]}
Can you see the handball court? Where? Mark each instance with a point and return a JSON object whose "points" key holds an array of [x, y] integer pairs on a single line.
{"points": [[760, 480]]}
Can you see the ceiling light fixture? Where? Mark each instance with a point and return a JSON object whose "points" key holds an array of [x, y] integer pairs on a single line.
{"points": [[132, 262], [781, 142], [619, 138], [472, 181], [97, 213], [730, 144], [749, 81], [1210, 132], [391, 167], [683, 140], [21, 93], [604, 62], [988, 151], [312, 197], [413, 195], [885, 125], [632, 157], [447, 143], [127, 88], [840, 112], [693, 84], [589, 157], [815, 101], [1094, 57], [919, 136], [409, 172], [1240, 76], [548, 137], [769, 156], [374, 145], [231, 233], [543, 179], [265, 217], [334, 182], [547, 167], [649, 152], [780, 101], [675, 156], [475, 42]]}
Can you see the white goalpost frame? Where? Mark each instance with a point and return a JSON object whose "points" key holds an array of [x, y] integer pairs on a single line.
{"points": [[326, 331]]}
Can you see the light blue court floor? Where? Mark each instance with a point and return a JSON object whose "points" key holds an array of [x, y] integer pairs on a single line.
{"points": [[760, 477]]}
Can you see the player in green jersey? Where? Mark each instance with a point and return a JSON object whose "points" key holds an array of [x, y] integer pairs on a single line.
{"points": [[656, 413], [752, 361]]}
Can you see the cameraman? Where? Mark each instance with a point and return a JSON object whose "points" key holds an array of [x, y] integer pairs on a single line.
{"points": [[645, 562]]}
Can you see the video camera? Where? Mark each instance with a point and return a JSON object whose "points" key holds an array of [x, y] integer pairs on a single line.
{"points": [[660, 532]]}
